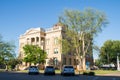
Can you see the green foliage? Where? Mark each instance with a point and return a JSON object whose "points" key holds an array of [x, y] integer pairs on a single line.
{"points": [[85, 73], [91, 73], [80, 24], [12, 63], [98, 62], [80, 29], [109, 51], [7, 52], [34, 54]]}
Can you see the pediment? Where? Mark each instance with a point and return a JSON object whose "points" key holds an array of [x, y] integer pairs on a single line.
{"points": [[30, 31]]}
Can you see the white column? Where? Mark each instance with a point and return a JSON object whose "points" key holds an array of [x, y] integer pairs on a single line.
{"points": [[118, 65]]}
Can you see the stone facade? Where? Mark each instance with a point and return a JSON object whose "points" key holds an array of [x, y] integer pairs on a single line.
{"points": [[48, 40]]}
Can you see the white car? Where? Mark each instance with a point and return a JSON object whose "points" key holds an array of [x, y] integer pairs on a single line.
{"points": [[68, 70], [33, 70]]}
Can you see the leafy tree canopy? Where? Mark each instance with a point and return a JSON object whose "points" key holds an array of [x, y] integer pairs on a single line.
{"points": [[34, 54], [109, 51], [7, 52], [81, 27]]}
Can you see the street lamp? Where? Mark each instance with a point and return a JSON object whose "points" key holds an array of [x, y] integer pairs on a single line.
{"points": [[118, 64]]}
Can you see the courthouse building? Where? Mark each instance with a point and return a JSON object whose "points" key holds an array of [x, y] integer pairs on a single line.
{"points": [[48, 40]]}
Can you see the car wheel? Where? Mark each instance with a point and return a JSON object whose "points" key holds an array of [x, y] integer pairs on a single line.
{"points": [[44, 73], [61, 73], [53, 73], [73, 74]]}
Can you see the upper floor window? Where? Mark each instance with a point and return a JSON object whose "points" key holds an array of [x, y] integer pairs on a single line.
{"points": [[47, 51], [47, 41], [56, 51], [55, 40]]}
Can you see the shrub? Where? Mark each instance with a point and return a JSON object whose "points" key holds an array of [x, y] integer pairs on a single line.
{"points": [[91, 73], [85, 73]]}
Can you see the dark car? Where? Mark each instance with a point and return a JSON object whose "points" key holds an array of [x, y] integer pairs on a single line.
{"points": [[49, 70], [68, 70], [33, 70]]}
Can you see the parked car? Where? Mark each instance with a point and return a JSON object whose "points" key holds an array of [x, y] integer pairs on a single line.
{"points": [[68, 70], [49, 70], [33, 70], [94, 68]]}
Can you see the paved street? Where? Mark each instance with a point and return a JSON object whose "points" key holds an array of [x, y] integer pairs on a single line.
{"points": [[25, 76]]}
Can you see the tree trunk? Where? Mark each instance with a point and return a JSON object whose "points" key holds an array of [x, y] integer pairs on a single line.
{"points": [[83, 51], [83, 63], [6, 67]]}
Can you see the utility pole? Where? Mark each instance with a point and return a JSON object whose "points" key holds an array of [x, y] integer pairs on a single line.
{"points": [[118, 64]]}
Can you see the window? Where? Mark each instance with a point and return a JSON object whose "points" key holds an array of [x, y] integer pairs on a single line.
{"points": [[56, 51], [69, 61], [69, 53], [55, 61], [64, 61], [47, 41], [74, 61], [55, 40], [47, 51]]}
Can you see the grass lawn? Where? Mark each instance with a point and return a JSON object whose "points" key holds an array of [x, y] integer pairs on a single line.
{"points": [[101, 72], [1, 70], [98, 72], [104, 71]]}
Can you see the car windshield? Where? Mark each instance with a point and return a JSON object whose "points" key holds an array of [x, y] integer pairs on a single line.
{"points": [[68, 67], [33, 66], [49, 67]]}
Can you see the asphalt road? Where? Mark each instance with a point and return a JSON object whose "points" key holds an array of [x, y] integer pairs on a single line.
{"points": [[25, 76]]}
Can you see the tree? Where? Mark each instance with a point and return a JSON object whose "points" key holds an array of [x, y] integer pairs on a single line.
{"points": [[109, 51], [81, 28], [13, 62], [34, 54], [7, 52]]}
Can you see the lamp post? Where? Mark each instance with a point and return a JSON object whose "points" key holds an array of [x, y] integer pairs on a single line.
{"points": [[118, 64]]}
